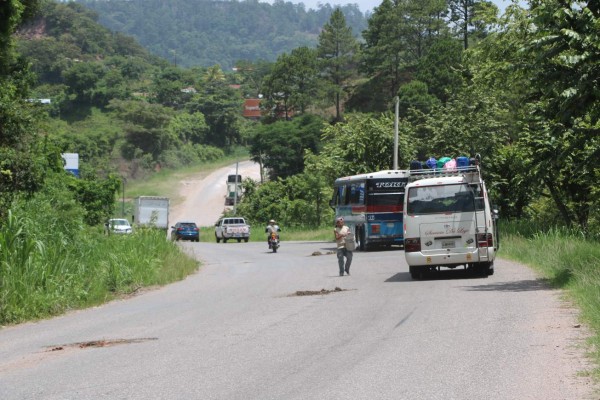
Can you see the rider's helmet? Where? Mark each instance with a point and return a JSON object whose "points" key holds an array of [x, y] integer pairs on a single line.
{"points": [[272, 222]]}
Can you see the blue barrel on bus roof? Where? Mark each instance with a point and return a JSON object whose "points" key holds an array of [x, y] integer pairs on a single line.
{"points": [[462, 162]]}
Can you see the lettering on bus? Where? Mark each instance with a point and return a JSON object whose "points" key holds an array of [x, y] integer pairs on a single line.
{"points": [[449, 231], [380, 185], [387, 185]]}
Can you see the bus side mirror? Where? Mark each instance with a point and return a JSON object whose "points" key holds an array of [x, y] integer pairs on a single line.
{"points": [[495, 212], [332, 204]]}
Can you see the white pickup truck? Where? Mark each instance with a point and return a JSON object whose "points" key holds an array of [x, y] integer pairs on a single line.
{"points": [[232, 228]]}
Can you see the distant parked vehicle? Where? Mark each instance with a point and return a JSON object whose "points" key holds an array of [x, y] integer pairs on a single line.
{"points": [[151, 211], [232, 228], [234, 189], [185, 231], [119, 226]]}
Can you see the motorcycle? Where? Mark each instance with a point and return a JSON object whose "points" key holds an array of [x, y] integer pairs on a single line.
{"points": [[274, 241]]}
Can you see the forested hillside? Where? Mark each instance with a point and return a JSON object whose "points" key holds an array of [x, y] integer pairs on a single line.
{"points": [[208, 32]]}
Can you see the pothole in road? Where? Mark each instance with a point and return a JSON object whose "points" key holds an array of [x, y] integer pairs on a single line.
{"points": [[98, 343], [318, 253], [317, 292]]}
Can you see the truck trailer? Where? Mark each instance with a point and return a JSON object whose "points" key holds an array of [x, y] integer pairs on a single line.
{"points": [[151, 211], [234, 189]]}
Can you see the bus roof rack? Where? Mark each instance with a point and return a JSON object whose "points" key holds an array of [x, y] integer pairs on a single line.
{"points": [[472, 173]]}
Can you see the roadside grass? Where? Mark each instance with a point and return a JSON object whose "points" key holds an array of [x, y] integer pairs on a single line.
{"points": [[39, 279], [568, 261]]}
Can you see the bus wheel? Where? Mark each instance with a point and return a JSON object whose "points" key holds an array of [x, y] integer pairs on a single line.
{"points": [[415, 272], [484, 269], [361, 239]]}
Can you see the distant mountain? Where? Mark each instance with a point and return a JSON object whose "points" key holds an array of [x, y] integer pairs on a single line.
{"points": [[208, 32]]}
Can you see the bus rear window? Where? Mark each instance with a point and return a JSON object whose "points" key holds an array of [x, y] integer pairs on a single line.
{"points": [[440, 199]]}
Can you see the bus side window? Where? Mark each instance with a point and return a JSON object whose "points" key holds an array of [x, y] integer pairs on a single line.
{"points": [[357, 193], [345, 200]]}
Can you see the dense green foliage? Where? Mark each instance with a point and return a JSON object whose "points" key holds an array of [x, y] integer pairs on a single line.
{"points": [[206, 32]]}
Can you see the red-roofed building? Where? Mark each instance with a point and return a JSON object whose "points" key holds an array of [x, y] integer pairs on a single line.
{"points": [[252, 108]]}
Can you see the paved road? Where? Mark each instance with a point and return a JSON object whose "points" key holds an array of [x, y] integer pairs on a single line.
{"points": [[203, 197], [237, 330]]}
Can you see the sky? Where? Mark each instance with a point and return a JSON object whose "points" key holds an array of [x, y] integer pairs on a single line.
{"points": [[368, 5]]}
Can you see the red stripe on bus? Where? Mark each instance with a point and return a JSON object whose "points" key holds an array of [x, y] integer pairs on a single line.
{"points": [[374, 209]]}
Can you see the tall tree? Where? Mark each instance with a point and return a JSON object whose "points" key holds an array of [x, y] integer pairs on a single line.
{"points": [[280, 146], [220, 105], [441, 68], [22, 160], [400, 33], [337, 50], [361, 144], [292, 84], [12, 14], [146, 127], [563, 128], [471, 16]]}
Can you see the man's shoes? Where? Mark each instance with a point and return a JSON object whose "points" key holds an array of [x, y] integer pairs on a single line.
{"points": [[347, 272], [341, 274]]}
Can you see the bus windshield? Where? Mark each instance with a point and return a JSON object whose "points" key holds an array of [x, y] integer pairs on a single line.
{"points": [[385, 199], [440, 199]]}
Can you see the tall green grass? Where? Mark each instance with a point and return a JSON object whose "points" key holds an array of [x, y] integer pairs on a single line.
{"points": [[40, 280], [568, 261]]}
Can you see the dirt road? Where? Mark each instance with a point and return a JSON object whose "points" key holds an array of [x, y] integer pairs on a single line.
{"points": [[203, 197]]}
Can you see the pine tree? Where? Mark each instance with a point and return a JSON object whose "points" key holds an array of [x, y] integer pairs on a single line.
{"points": [[337, 51]]}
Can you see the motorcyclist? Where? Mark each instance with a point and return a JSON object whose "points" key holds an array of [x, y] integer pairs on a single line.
{"points": [[272, 227]]}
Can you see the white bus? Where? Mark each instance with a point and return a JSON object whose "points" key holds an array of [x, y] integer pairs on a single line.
{"points": [[371, 205], [448, 222]]}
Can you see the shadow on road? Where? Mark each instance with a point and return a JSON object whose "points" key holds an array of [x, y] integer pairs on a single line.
{"points": [[399, 277], [437, 276], [517, 286]]}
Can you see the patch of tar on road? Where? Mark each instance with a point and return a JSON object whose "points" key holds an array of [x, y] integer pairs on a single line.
{"points": [[34, 359], [317, 292], [318, 253], [98, 343]]}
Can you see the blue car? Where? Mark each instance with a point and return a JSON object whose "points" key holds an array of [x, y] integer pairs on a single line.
{"points": [[185, 231]]}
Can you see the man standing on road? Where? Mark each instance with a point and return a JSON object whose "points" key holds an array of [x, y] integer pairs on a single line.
{"points": [[341, 231]]}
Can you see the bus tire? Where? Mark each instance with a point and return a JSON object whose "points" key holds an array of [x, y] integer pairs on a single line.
{"points": [[484, 268], [415, 272], [361, 239]]}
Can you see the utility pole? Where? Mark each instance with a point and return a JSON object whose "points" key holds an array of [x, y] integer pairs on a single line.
{"points": [[236, 189], [397, 111]]}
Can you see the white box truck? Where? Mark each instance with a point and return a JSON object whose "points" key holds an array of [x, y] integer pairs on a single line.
{"points": [[151, 211], [234, 190], [448, 222]]}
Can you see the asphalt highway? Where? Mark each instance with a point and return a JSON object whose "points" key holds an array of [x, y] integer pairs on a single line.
{"points": [[239, 329]]}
